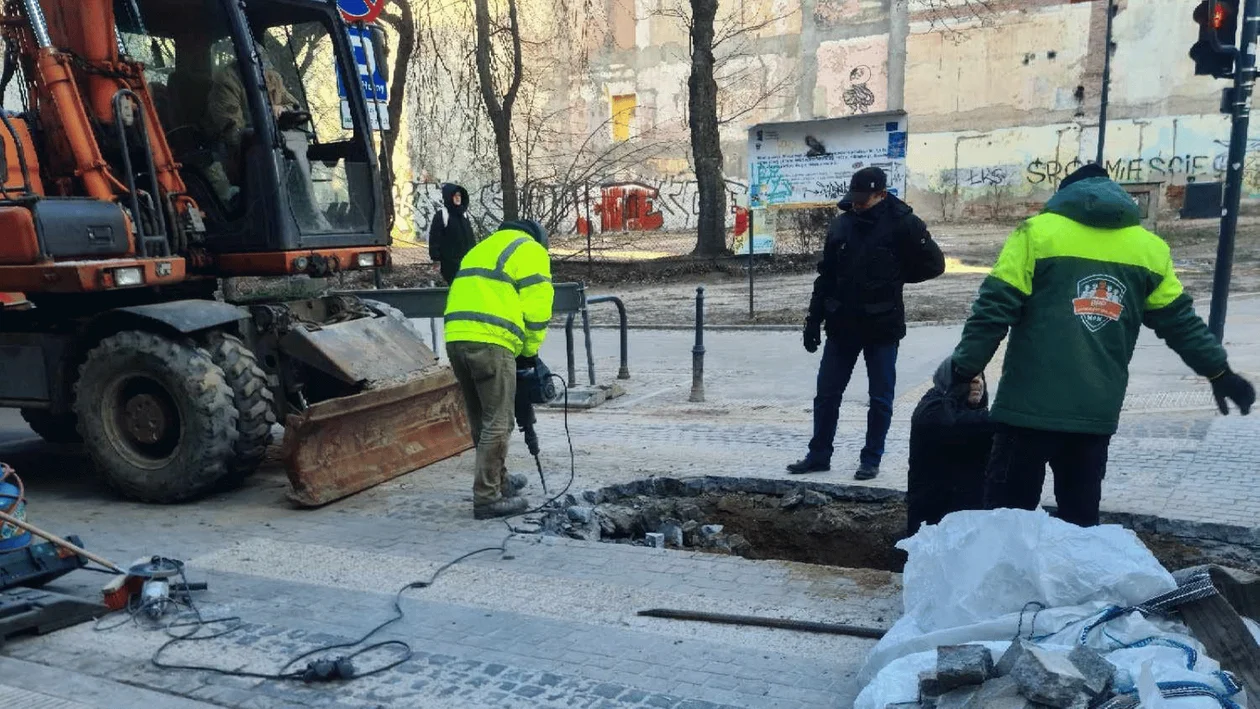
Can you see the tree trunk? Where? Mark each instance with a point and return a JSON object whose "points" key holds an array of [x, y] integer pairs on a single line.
{"points": [[500, 111], [706, 143], [404, 26]]}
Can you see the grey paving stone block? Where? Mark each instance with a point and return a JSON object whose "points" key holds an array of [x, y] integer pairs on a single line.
{"points": [[1098, 672], [929, 688], [957, 698], [962, 665], [1010, 657], [1048, 678], [1000, 693]]}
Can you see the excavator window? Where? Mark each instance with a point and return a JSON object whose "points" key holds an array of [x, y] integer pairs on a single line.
{"points": [[195, 73]]}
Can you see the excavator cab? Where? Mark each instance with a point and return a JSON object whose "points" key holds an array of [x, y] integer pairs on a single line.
{"points": [[259, 115], [159, 150]]}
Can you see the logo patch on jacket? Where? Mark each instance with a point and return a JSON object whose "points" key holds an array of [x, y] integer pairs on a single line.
{"points": [[1100, 300]]}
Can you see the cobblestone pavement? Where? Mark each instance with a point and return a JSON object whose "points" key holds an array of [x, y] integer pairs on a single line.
{"points": [[553, 622]]}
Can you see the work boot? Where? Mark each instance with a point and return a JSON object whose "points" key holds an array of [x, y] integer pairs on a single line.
{"points": [[805, 465], [866, 472], [502, 507], [513, 483]]}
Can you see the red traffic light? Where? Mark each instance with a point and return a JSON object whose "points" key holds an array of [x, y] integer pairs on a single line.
{"points": [[1220, 14], [1223, 12]]}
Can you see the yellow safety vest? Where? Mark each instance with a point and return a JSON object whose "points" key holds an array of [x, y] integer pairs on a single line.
{"points": [[502, 294]]}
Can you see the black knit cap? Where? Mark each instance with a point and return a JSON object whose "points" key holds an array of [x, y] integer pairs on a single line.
{"points": [[1085, 172]]}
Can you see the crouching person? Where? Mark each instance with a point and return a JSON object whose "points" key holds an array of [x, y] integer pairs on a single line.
{"points": [[950, 438]]}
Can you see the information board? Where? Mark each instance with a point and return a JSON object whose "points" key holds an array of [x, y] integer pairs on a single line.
{"points": [[809, 163]]}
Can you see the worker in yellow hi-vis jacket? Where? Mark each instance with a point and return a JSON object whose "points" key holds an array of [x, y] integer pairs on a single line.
{"points": [[496, 317]]}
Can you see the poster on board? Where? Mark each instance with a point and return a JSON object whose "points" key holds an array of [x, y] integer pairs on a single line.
{"points": [[809, 163]]}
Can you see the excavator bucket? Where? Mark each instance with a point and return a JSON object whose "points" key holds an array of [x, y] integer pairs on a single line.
{"points": [[410, 413]]}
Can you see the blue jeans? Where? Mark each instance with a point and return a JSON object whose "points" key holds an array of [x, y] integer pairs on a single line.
{"points": [[838, 359]]}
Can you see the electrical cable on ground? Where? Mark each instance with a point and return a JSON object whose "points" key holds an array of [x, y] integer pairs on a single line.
{"points": [[326, 669]]}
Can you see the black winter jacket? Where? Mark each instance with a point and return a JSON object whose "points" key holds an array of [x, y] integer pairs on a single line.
{"points": [[451, 234], [868, 259], [949, 451]]}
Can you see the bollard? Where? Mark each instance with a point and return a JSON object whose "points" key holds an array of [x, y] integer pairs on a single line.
{"points": [[568, 346], [590, 355], [697, 352]]}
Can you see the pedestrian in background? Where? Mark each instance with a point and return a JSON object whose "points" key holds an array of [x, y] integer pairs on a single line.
{"points": [[1073, 286], [451, 234], [875, 247], [950, 439]]}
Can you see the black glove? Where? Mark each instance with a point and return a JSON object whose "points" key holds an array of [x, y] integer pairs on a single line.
{"points": [[524, 362], [813, 335], [1228, 386], [959, 375]]}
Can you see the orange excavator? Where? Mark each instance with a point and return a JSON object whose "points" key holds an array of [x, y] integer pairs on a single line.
{"points": [[159, 154]]}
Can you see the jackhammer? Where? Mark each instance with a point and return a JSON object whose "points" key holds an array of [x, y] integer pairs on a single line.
{"points": [[534, 386]]}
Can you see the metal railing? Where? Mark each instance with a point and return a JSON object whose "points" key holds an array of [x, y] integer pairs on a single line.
{"points": [[570, 300]]}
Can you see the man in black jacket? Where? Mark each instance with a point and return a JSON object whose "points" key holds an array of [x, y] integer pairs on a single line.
{"points": [[873, 249], [451, 234], [950, 440]]}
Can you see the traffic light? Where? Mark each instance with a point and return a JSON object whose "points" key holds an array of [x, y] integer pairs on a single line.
{"points": [[1214, 53]]}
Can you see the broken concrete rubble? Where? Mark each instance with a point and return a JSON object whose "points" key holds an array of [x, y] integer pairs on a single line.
{"points": [[957, 699], [929, 689], [1099, 673], [1010, 657], [962, 665], [1048, 678], [1000, 693]]}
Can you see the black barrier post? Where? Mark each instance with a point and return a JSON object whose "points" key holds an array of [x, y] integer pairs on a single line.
{"points": [[624, 372], [697, 352], [750, 264], [586, 335]]}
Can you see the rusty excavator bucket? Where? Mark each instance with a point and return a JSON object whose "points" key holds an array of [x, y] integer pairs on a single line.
{"points": [[408, 414]]}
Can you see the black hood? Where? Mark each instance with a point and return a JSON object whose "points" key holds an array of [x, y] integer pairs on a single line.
{"points": [[944, 384], [449, 190]]}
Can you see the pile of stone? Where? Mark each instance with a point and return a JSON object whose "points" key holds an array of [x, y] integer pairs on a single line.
{"points": [[1027, 677]]}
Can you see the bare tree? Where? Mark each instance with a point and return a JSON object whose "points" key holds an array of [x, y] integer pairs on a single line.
{"points": [[727, 82], [499, 105], [952, 18], [401, 19], [706, 142]]}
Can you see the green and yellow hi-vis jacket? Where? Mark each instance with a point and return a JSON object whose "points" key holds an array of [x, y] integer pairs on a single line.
{"points": [[502, 294], [1074, 285]]}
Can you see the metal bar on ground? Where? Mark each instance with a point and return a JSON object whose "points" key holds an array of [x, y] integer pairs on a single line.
{"points": [[624, 371], [1244, 79], [807, 626]]}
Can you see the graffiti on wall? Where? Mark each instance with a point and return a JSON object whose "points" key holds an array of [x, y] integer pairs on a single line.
{"points": [[1156, 168], [669, 204], [858, 96]]}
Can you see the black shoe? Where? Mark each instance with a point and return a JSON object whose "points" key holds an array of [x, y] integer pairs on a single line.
{"points": [[806, 465], [513, 485], [502, 507], [866, 472]]}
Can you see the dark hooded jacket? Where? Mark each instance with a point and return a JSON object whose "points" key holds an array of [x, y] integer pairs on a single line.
{"points": [[451, 234], [949, 450], [867, 260], [1073, 286]]}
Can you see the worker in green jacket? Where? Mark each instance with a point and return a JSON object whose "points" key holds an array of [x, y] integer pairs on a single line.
{"points": [[496, 318], [1074, 285]]}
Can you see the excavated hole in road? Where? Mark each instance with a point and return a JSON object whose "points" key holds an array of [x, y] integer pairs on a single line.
{"points": [[834, 525]]}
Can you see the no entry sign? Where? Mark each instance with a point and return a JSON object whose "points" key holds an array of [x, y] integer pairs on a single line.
{"points": [[361, 10]]}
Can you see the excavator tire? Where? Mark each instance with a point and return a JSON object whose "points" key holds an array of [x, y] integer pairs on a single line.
{"points": [[54, 428], [254, 400], [157, 417]]}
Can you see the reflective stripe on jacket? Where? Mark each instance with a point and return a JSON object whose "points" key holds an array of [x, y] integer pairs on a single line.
{"points": [[502, 294]]}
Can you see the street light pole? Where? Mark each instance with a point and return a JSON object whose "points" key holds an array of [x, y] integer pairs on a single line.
{"points": [[1240, 110], [1106, 85]]}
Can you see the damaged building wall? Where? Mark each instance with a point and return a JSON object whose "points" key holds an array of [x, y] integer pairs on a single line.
{"points": [[1002, 98]]}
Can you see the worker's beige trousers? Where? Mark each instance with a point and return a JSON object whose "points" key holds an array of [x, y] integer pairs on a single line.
{"points": [[487, 376]]}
